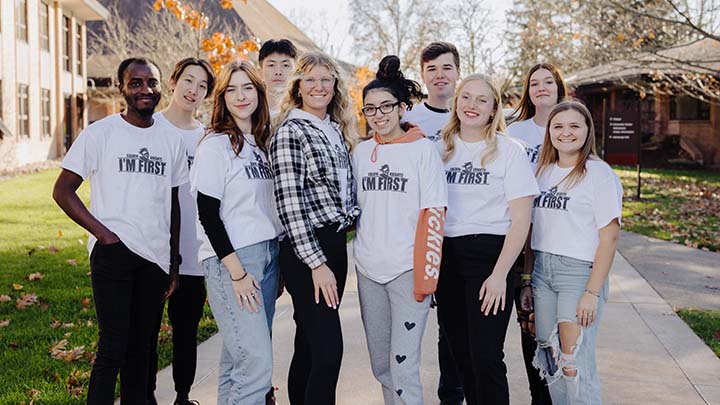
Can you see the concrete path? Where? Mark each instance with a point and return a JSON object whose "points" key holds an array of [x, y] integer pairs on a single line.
{"points": [[646, 353], [684, 276]]}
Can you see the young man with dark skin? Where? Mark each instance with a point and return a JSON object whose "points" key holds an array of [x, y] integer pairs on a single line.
{"points": [[440, 71], [135, 166], [277, 61]]}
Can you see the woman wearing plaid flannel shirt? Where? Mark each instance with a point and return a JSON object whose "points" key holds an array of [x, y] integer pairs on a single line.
{"points": [[315, 195]]}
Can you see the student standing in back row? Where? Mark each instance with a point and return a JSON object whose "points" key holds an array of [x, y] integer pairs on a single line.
{"points": [[581, 200], [439, 69], [190, 82], [277, 61], [543, 89], [490, 190], [135, 165], [402, 196]]}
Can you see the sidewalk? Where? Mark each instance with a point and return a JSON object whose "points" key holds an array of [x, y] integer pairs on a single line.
{"points": [[646, 353]]}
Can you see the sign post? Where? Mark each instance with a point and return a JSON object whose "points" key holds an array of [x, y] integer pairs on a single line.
{"points": [[622, 140]]}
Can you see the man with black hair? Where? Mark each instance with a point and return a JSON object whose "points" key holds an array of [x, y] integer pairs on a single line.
{"points": [[135, 166], [277, 61]]}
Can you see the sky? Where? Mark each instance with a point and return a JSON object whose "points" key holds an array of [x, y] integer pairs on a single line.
{"points": [[338, 11]]}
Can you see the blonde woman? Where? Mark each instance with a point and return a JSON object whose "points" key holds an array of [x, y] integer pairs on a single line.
{"points": [[316, 202], [580, 199], [490, 191]]}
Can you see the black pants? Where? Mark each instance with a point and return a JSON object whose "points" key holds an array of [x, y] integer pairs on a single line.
{"points": [[476, 340], [315, 365], [185, 308], [127, 290], [539, 393], [450, 391]]}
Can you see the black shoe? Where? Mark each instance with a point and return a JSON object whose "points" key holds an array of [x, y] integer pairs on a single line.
{"points": [[186, 402]]}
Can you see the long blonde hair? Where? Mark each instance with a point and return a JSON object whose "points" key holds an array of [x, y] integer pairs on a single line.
{"points": [[489, 135], [339, 108], [549, 154]]}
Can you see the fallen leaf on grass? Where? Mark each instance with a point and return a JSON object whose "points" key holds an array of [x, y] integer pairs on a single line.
{"points": [[14, 345], [60, 233], [52, 249], [67, 334], [4, 323], [85, 302], [26, 300], [5, 298], [35, 276], [31, 251], [58, 351], [17, 286], [74, 382], [72, 262], [80, 241]]}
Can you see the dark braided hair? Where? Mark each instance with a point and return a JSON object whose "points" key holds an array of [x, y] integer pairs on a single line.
{"points": [[390, 78]]}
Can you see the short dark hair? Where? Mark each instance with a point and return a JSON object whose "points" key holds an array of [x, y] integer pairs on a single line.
{"points": [[436, 49], [180, 68], [129, 61], [281, 46]]}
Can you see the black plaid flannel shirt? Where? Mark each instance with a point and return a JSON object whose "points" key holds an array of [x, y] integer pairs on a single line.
{"points": [[307, 186]]}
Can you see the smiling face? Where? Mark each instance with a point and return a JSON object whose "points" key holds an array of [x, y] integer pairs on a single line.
{"points": [[276, 69], [141, 88], [568, 132], [475, 104], [191, 88], [383, 124], [241, 97], [440, 76], [316, 90], [543, 89]]}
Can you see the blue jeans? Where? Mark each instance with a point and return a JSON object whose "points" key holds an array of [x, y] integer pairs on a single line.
{"points": [[245, 371], [558, 282]]}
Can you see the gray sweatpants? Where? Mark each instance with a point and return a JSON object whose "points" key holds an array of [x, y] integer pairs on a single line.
{"points": [[394, 325]]}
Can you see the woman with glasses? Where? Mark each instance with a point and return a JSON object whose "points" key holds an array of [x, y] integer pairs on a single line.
{"points": [[315, 195], [490, 194], [402, 196]]}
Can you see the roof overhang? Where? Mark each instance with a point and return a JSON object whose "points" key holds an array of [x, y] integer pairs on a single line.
{"points": [[86, 10]]}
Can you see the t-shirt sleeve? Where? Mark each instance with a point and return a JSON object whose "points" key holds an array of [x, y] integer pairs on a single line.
{"points": [[607, 200], [84, 154], [180, 166], [433, 187], [519, 180], [209, 171]]}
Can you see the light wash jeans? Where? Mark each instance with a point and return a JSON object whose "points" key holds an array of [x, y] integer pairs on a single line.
{"points": [[245, 371], [558, 282]]}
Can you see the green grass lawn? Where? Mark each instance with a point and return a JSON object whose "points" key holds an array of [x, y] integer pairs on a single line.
{"points": [[37, 237], [681, 206], [706, 324]]}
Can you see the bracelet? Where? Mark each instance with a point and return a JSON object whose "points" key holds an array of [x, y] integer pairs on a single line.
{"points": [[526, 277], [239, 279], [591, 292]]}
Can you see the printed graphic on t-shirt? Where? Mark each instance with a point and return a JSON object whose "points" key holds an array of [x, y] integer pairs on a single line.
{"points": [[142, 162], [384, 180], [533, 153], [342, 157], [467, 174], [436, 136], [552, 199], [258, 168]]}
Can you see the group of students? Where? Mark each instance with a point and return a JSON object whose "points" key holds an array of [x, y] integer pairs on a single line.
{"points": [[443, 199]]}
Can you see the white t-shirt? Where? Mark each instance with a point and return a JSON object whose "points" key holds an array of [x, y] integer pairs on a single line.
{"points": [[532, 136], [132, 171], [338, 143], [430, 120], [406, 178], [244, 186], [478, 196], [566, 222], [189, 243]]}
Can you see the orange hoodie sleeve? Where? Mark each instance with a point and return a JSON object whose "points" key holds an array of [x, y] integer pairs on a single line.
{"points": [[427, 251]]}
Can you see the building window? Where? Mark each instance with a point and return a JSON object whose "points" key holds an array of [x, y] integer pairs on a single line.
{"points": [[21, 18], [23, 111], [686, 108], [66, 43], [78, 39], [67, 128], [44, 27], [45, 104]]}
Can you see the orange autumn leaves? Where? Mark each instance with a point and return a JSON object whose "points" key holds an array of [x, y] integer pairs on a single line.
{"points": [[221, 49]]}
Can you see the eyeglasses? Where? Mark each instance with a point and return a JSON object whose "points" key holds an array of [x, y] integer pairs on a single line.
{"points": [[324, 81], [386, 108]]}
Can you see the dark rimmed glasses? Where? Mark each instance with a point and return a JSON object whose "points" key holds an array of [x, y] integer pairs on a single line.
{"points": [[386, 108]]}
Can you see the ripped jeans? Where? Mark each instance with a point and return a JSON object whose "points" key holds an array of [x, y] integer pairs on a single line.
{"points": [[558, 282]]}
